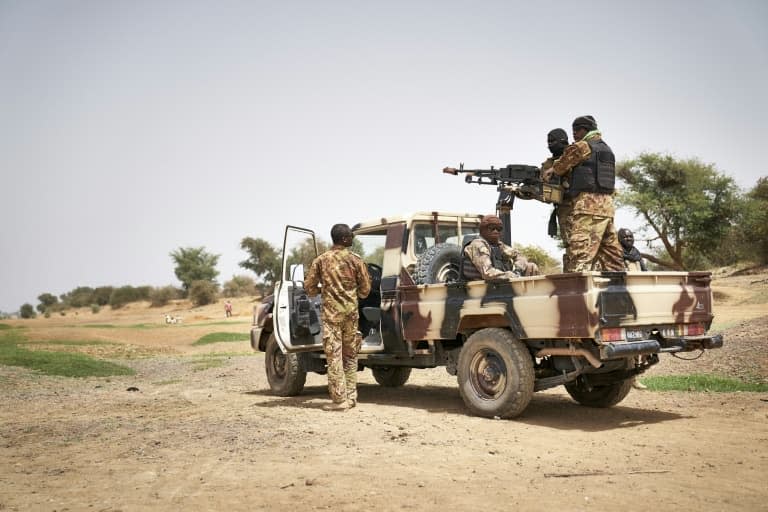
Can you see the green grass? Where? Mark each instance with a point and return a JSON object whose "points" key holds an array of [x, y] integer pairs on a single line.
{"points": [[701, 383], [217, 337], [113, 326], [64, 364]]}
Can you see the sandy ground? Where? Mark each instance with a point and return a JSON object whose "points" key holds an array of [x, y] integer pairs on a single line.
{"points": [[197, 429]]}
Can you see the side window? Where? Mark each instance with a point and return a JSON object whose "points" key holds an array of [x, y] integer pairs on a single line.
{"points": [[371, 246], [449, 233], [422, 238]]}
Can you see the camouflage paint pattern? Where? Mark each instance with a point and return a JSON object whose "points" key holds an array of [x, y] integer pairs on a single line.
{"points": [[341, 344], [556, 306]]}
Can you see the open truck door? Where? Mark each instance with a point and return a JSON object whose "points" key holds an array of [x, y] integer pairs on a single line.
{"points": [[297, 324]]}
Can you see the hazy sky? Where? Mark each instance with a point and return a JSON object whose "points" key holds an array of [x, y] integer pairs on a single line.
{"points": [[131, 128]]}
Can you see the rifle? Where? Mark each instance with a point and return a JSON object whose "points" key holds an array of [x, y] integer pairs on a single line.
{"points": [[514, 180]]}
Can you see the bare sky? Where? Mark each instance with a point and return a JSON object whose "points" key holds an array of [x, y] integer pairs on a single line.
{"points": [[129, 129]]}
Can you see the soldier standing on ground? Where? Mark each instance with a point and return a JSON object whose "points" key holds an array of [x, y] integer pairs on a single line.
{"points": [[557, 141], [342, 277], [487, 257], [632, 259], [590, 169]]}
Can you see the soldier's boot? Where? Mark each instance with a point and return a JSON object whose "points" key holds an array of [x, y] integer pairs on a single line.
{"points": [[336, 406]]}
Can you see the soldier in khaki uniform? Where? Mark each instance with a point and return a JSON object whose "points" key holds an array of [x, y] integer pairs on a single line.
{"points": [[589, 167], [557, 141], [487, 257], [344, 278]]}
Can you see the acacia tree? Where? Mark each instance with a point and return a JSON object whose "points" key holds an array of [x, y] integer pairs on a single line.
{"points": [[753, 226], [194, 264], [688, 205], [263, 260]]}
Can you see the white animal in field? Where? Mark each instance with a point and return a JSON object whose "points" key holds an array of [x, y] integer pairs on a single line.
{"points": [[173, 319]]}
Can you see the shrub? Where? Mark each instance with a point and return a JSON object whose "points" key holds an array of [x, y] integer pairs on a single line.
{"points": [[123, 295], [239, 286], [203, 292], [47, 301], [27, 311], [80, 297], [102, 294], [161, 296]]}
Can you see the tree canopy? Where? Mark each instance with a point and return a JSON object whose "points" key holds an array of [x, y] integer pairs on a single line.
{"points": [[194, 264], [688, 206], [263, 259]]}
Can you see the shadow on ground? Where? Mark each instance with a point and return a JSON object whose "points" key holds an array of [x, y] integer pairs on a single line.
{"points": [[546, 410]]}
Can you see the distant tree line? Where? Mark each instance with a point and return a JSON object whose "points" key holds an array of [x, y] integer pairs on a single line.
{"points": [[693, 218]]}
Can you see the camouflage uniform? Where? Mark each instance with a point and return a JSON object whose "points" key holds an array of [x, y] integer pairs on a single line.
{"points": [[344, 278], [478, 252], [563, 209], [591, 242]]}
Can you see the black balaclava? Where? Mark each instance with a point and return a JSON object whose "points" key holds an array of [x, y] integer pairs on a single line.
{"points": [[557, 140]]}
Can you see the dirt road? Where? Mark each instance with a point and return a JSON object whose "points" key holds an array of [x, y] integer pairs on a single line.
{"points": [[197, 429], [215, 439]]}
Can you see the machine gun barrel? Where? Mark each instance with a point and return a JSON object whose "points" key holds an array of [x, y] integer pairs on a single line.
{"points": [[524, 181]]}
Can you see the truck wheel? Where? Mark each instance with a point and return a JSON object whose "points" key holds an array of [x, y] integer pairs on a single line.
{"points": [[495, 373], [391, 376], [599, 396], [439, 264], [284, 373]]}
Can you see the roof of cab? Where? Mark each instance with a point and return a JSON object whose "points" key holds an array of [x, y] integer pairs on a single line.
{"points": [[441, 216]]}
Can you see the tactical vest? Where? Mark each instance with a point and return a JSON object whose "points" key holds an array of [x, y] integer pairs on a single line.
{"points": [[498, 261], [597, 173]]}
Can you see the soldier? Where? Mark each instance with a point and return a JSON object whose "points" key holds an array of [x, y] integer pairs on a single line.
{"points": [[557, 141], [632, 259], [344, 278], [487, 257], [589, 167]]}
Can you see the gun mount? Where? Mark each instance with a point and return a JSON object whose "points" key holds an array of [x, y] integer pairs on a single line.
{"points": [[514, 180]]}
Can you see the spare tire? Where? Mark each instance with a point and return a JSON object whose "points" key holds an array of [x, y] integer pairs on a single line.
{"points": [[440, 263]]}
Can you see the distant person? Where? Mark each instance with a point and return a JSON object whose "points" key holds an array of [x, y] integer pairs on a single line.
{"points": [[228, 309], [589, 167], [487, 257], [344, 279], [633, 261]]}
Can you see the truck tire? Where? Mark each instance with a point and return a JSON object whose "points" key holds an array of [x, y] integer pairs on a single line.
{"points": [[495, 373], [599, 396], [284, 373], [391, 376], [439, 264]]}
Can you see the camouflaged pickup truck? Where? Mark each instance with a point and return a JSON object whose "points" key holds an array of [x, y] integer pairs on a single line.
{"points": [[592, 332]]}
